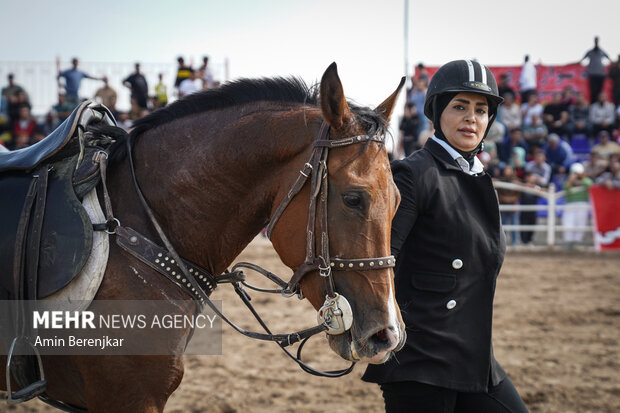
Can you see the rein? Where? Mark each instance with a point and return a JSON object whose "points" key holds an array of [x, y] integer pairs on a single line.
{"points": [[334, 317]]}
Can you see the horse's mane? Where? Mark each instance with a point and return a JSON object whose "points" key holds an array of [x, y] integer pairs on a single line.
{"points": [[235, 93], [244, 91]]}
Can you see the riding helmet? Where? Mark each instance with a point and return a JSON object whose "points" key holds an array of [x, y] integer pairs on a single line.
{"points": [[462, 76]]}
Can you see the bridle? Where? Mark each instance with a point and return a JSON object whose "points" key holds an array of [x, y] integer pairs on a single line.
{"points": [[336, 311], [334, 317]]}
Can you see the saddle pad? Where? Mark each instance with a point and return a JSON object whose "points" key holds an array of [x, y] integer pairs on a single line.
{"points": [[78, 295]]}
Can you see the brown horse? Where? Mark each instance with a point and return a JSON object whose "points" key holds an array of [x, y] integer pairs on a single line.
{"points": [[214, 167]]}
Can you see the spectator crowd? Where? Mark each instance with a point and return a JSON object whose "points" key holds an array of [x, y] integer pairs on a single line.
{"points": [[570, 141], [19, 128]]}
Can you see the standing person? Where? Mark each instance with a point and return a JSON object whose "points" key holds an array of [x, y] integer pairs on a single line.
{"points": [[139, 88], [107, 95], [408, 129], [614, 74], [575, 211], [183, 72], [449, 245], [73, 78], [207, 76], [528, 217], [527, 79], [191, 85], [509, 197], [595, 69], [161, 93]]}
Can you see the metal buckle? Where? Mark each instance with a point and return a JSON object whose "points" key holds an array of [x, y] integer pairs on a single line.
{"points": [[307, 165]]}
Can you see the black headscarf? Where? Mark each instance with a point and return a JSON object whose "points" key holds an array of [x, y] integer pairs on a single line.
{"points": [[440, 104]]}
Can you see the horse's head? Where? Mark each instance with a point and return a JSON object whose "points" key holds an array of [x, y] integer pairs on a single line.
{"points": [[361, 202]]}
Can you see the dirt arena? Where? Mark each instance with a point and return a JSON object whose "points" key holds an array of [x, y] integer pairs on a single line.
{"points": [[556, 332]]}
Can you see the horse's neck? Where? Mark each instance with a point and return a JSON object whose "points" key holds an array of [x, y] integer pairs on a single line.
{"points": [[213, 187]]}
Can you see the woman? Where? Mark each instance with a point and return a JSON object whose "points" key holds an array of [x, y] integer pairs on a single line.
{"points": [[449, 245]]}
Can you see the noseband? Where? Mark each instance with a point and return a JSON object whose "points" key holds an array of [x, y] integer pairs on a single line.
{"points": [[336, 311]]}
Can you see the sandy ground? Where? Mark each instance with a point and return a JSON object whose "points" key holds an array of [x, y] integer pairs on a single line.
{"points": [[556, 332]]}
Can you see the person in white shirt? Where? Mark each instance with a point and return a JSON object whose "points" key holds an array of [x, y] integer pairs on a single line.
{"points": [[527, 79], [193, 84]]}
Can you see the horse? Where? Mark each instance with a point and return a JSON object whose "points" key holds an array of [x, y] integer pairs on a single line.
{"points": [[218, 166]]}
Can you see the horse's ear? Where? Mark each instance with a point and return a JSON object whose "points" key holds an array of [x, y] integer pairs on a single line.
{"points": [[333, 103], [387, 106]]}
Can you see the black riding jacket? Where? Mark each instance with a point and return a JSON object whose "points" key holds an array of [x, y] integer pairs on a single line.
{"points": [[449, 248]]}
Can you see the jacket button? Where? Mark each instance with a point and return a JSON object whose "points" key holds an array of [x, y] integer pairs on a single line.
{"points": [[457, 264], [451, 304]]}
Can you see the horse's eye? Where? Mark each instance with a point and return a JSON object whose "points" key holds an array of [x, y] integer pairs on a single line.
{"points": [[352, 200]]}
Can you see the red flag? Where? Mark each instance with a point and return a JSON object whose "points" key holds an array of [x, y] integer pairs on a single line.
{"points": [[606, 212]]}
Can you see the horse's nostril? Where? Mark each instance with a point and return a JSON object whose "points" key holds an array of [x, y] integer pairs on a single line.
{"points": [[382, 336]]}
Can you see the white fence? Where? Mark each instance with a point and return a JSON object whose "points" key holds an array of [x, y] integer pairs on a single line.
{"points": [[552, 207]]}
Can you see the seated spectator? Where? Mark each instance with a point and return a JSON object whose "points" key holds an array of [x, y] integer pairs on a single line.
{"points": [[535, 134], [49, 124], [602, 114], [15, 96], [579, 117], [20, 141], [505, 150], [605, 146], [408, 130], [540, 168], [595, 165], [426, 133], [611, 179], [21, 99], [531, 108], [555, 116], [509, 197], [63, 108], [569, 96], [509, 114], [559, 154], [503, 86], [24, 124], [577, 200]]}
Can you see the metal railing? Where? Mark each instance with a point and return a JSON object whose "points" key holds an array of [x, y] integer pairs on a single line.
{"points": [[552, 207]]}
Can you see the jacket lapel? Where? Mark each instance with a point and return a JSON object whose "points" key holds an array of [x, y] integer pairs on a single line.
{"points": [[441, 155]]}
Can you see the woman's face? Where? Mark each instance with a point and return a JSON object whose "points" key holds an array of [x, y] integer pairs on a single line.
{"points": [[464, 121]]}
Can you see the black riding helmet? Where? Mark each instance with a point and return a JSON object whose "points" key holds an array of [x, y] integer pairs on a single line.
{"points": [[461, 76]]}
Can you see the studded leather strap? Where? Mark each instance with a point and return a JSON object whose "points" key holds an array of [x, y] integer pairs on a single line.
{"points": [[362, 264], [159, 259]]}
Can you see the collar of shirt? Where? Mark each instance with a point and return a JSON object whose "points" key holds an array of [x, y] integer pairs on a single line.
{"points": [[476, 169]]}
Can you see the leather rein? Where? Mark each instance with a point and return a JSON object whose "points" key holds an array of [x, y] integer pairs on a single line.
{"points": [[334, 317]]}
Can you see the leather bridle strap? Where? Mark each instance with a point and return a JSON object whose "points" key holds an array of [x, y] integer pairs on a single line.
{"points": [[316, 170]]}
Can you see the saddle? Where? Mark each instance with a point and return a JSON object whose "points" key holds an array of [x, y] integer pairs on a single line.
{"points": [[47, 235]]}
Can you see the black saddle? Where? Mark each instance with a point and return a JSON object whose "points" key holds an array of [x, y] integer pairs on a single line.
{"points": [[46, 234]]}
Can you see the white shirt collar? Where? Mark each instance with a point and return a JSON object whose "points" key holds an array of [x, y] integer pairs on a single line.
{"points": [[463, 164]]}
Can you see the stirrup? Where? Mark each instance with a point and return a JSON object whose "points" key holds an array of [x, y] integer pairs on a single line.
{"points": [[32, 390]]}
